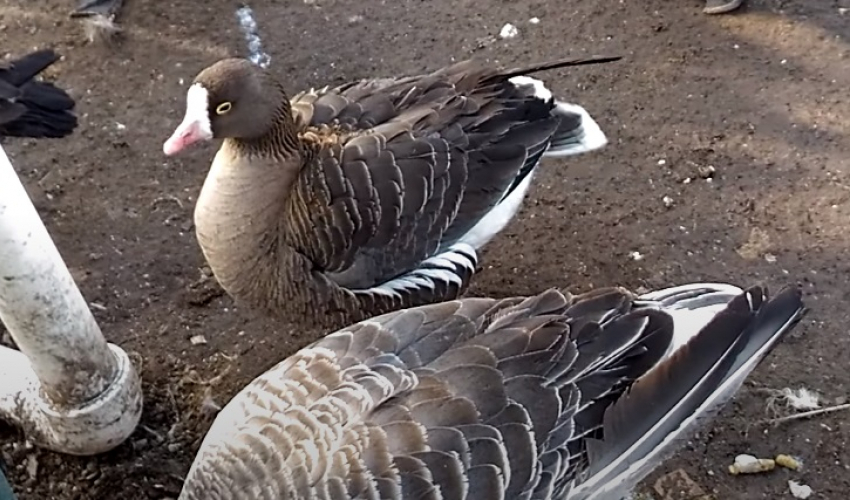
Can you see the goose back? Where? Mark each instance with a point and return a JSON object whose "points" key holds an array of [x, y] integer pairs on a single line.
{"points": [[401, 172], [551, 396]]}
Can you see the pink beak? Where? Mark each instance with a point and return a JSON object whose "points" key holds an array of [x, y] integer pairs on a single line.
{"points": [[189, 132]]}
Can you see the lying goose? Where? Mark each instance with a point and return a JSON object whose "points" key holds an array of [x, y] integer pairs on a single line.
{"points": [[552, 396], [30, 108], [371, 196]]}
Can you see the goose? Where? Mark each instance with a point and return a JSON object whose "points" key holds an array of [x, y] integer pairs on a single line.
{"points": [[373, 195], [552, 396], [35, 109]]}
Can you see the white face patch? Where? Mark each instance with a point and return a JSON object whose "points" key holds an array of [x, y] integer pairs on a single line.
{"points": [[197, 108], [195, 126]]}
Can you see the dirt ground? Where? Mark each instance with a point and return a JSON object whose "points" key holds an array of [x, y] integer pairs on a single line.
{"points": [[736, 120]]}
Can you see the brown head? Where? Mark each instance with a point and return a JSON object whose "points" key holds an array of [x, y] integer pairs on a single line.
{"points": [[233, 98]]}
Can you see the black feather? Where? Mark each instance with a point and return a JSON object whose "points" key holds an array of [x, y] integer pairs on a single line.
{"points": [[564, 63], [660, 408], [31, 108]]}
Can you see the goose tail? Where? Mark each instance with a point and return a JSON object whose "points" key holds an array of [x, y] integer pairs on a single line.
{"points": [[578, 133], [721, 333]]}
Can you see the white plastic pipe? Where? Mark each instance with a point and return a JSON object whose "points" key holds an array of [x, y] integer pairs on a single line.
{"points": [[67, 388]]}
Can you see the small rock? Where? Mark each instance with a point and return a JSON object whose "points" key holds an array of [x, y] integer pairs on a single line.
{"points": [[799, 490], [636, 256], [748, 464], [198, 340], [534, 20], [668, 202], [788, 462], [706, 172], [677, 485], [32, 467], [508, 31]]}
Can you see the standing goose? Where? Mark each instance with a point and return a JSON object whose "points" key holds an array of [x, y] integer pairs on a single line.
{"points": [[371, 196], [33, 108], [552, 396]]}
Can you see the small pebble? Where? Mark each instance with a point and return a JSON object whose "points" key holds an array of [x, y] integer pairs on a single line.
{"points": [[508, 31], [788, 462], [198, 339], [748, 464], [32, 466], [799, 490]]}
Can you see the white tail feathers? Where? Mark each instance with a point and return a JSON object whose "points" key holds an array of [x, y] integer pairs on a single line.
{"points": [[587, 137], [569, 140]]}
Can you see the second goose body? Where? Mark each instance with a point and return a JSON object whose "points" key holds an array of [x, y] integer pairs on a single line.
{"points": [[549, 397], [347, 202]]}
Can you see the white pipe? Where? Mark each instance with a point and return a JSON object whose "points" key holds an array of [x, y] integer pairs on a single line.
{"points": [[67, 388]]}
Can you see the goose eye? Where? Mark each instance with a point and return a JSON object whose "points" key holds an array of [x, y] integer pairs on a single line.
{"points": [[223, 108]]}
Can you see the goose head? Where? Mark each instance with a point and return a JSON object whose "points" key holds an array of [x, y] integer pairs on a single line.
{"points": [[232, 99]]}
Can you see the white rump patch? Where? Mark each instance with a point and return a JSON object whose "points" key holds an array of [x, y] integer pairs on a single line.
{"points": [[540, 90]]}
